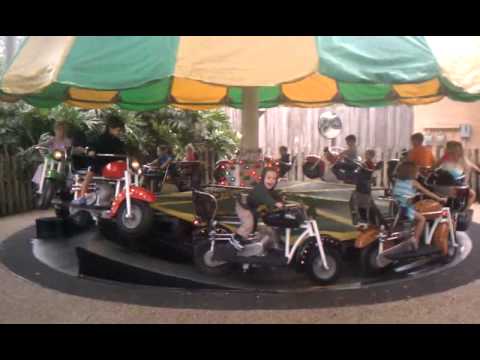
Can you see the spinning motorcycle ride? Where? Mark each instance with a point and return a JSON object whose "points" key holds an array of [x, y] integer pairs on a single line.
{"points": [[442, 183], [331, 167], [222, 168], [185, 175], [390, 245], [113, 196], [56, 170], [386, 243], [215, 254]]}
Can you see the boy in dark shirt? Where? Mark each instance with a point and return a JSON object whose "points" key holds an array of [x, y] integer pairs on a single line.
{"points": [[107, 143], [362, 196], [165, 157], [263, 194], [284, 161]]}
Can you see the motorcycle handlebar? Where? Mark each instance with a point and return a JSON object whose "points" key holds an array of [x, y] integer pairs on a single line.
{"points": [[111, 155]]}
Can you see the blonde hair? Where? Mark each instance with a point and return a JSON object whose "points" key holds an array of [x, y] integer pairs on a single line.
{"points": [[455, 149], [189, 146]]}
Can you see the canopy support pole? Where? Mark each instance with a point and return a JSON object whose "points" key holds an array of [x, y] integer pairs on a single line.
{"points": [[249, 143], [9, 50]]}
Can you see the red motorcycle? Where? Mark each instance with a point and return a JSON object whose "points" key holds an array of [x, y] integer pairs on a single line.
{"points": [[315, 167], [115, 195]]}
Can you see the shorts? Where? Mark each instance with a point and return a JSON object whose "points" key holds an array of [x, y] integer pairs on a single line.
{"points": [[409, 212]]}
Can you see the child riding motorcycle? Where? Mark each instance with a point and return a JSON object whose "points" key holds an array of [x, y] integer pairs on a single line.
{"points": [[107, 143], [345, 164], [420, 154], [60, 141], [262, 195], [404, 190], [361, 202]]}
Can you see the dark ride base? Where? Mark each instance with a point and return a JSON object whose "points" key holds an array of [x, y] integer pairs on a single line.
{"points": [[89, 265]]}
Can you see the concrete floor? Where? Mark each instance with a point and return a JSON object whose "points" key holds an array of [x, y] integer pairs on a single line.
{"points": [[24, 302]]}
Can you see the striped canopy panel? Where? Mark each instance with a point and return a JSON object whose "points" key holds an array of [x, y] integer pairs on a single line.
{"points": [[144, 73]]}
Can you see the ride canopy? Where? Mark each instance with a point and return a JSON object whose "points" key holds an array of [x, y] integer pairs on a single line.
{"points": [[143, 73]]}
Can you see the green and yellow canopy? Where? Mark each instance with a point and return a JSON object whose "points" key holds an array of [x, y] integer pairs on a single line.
{"points": [[143, 73]]}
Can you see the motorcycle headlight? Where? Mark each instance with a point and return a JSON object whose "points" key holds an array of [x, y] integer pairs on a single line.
{"points": [[58, 155], [135, 165]]}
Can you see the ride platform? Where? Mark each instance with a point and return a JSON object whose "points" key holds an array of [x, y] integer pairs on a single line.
{"points": [[328, 203], [92, 265]]}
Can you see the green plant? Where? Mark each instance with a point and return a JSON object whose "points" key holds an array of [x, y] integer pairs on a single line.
{"points": [[22, 126]]}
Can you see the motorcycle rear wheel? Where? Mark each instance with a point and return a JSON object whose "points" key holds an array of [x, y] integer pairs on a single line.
{"points": [[202, 257]]}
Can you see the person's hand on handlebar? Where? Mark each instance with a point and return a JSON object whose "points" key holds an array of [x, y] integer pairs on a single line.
{"points": [[78, 150], [279, 205]]}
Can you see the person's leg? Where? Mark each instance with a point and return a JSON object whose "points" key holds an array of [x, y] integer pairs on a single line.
{"points": [[86, 183], [419, 226], [247, 222], [471, 198], [267, 237], [337, 170]]}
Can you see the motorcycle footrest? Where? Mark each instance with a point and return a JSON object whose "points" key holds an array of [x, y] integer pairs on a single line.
{"points": [[425, 251], [226, 252], [269, 259], [86, 207]]}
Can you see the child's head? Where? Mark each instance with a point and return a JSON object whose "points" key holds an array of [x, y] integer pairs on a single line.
{"points": [[269, 177], [351, 140], [161, 150], [370, 155], [115, 125], [407, 170], [189, 149], [416, 139], [283, 150], [60, 128], [454, 150]]}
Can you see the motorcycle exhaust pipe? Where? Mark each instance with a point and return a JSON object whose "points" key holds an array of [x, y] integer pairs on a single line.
{"points": [[404, 246]]}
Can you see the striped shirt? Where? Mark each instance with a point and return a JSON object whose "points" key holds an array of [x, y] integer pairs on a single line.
{"points": [[403, 191]]}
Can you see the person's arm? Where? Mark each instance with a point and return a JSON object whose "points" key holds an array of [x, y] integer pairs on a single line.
{"points": [[472, 165], [409, 155], [427, 192], [342, 154], [165, 164], [279, 199], [437, 164], [262, 197], [153, 163], [434, 160]]}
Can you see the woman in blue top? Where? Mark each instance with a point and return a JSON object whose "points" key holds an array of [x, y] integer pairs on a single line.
{"points": [[405, 188]]}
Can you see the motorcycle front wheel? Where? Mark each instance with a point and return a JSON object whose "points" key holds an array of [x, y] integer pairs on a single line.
{"points": [[44, 199], [315, 269], [133, 228]]}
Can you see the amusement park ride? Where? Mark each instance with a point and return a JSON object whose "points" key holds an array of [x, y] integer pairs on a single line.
{"points": [[316, 232]]}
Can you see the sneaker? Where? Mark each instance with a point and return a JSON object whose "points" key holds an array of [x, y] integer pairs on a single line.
{"points": [[80, 201], [237, 242], [362, 226], [413, 243]]}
